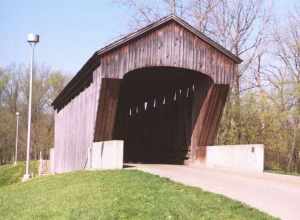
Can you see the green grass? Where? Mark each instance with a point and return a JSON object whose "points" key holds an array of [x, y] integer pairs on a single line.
{"points": [[10, 174], [283, 172], [126, 194]]}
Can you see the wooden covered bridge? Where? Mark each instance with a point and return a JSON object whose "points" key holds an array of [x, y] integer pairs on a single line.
{"points": [[161, 89]]}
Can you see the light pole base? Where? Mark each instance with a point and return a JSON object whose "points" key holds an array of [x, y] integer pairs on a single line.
{"points": [[26, 177]]}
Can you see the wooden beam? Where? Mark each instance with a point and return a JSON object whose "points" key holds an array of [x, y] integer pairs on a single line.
{"points": [[206, 126], [107, 109]]}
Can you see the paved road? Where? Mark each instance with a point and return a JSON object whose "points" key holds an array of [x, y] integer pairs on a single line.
{"points": [[278, 195]]}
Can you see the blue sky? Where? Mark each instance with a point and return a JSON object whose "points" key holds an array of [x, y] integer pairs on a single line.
{"points": [[70, 30]]}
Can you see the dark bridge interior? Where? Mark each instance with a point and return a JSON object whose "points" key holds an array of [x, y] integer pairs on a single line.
{"points": [[156, 113]]}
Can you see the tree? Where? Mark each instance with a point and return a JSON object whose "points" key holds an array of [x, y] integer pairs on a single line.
{"points": [[240, 26], [285, 81], [14, 97]]}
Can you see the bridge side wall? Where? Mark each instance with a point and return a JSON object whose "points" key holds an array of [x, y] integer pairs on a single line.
{"points": [[74, 128]]}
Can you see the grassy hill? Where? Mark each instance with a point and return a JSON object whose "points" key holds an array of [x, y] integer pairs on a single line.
{"points": [[125, 194], [10, 174]]}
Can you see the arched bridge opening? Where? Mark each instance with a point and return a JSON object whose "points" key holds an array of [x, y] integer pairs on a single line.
{"points": [[157, 111]]}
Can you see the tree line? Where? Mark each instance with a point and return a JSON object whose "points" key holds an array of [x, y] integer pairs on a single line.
{"points": [[14, 81], [264, 101]]}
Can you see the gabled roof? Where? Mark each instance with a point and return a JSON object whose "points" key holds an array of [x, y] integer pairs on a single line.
{"points": [[162, 21], [84, 76]]}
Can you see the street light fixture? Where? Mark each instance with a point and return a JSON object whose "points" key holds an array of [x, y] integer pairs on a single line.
{"points": [[32, 39], [17, 137]]}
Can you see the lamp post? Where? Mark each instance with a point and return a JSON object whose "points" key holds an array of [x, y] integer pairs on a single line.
{"points": [[32, 39], [17, 137]]}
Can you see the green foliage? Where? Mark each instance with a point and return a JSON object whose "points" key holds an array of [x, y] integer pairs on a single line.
{"points": [[126, 194], [262, 122]]}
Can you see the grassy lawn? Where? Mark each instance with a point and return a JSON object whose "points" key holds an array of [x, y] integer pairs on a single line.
{"points": [[126, 194], [10, 174]]}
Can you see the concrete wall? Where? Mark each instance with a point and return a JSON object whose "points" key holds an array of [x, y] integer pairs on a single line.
{"points": [[236, 157], [106, 155], [52, 163]]}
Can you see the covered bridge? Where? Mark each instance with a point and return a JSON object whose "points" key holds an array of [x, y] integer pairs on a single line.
{"points": [[161, 89]]}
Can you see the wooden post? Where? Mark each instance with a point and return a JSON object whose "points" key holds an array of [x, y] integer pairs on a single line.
{"points": [[107, 109], [206, 126]]}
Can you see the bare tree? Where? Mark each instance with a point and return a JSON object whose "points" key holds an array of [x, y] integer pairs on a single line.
{"points": [[201, 12], [145, 12], [241, 26], [284, 78]]}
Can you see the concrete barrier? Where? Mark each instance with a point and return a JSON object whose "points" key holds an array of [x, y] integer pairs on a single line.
{"points": [[106, 155], [52, 167], [236, 157]]}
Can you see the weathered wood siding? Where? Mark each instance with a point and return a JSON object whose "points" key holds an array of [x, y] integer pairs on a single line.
{"points": [[74, 128], [171, 45]]}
